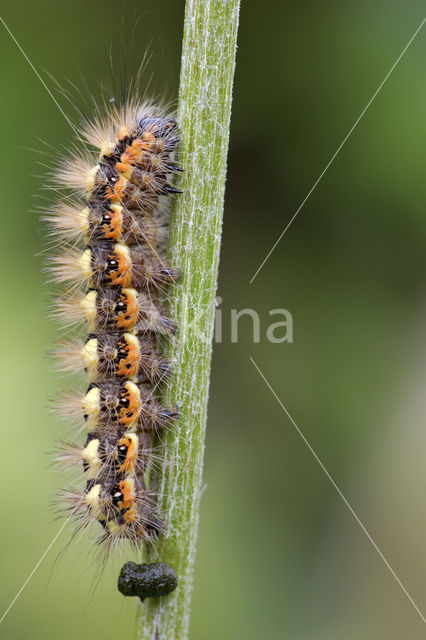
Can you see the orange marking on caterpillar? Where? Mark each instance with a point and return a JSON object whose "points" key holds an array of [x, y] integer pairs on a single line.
{"points": [[125, 169], [115, 194], [127, 319], [129, 414], [131, 454], [114, 228], [134, 152], [127, 491], [132, 359], [121, 276]]}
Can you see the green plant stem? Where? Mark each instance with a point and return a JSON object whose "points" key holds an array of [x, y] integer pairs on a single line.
{"points": [[205, 96]]}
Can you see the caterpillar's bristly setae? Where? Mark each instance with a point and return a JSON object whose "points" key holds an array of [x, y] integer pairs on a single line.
{"points": [[112, 225]]}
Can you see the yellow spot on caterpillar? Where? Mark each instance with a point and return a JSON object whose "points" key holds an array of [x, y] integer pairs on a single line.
{"points": [[90, 178], [89, 355], [123, 252], [90, 454], [114, 527], [92, 499], [107, 149], [85, 264], [91, 406], [83, 222], [123, 132], [130, 515], [88, 305]]}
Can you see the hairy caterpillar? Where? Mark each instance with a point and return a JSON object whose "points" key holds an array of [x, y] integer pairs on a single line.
{"points": [[112, 225]]}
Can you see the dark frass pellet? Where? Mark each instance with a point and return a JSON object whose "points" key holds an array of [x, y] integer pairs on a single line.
{"points": [[147, 580]]}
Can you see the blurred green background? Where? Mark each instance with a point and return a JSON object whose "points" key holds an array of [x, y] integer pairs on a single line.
{"points": [[280, 555]]}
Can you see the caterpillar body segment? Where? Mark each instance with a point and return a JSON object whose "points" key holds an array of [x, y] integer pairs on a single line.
{"points": [[116, 309], [107, 264], [121, 405], [115, 355]]}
